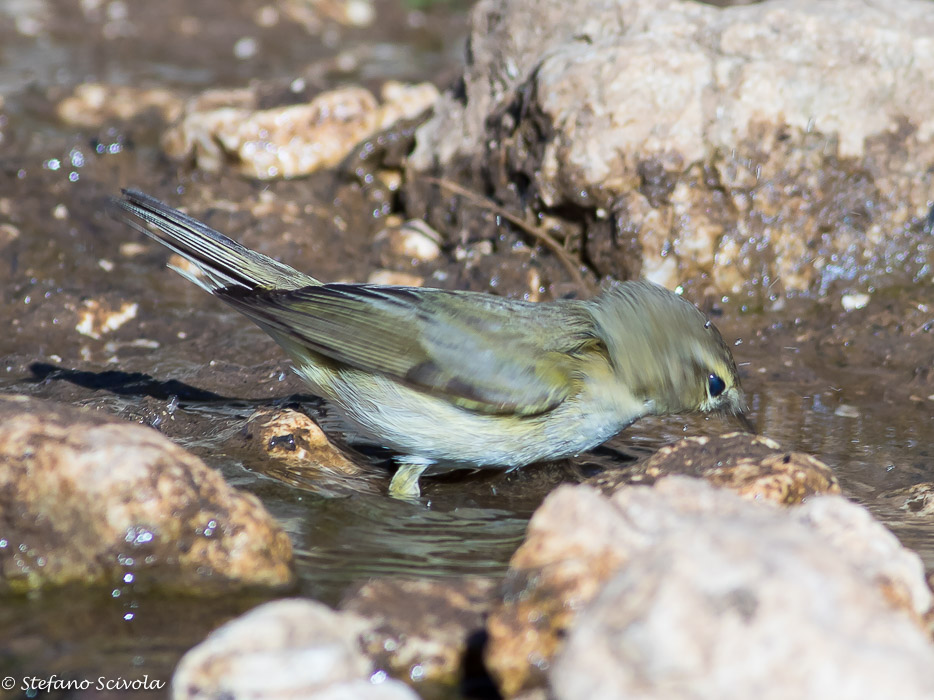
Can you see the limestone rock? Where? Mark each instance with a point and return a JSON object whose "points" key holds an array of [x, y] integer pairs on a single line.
{"points": [[736, 607], [97, 318], [85, 498], [95, 104], [285, 649], [769, 148], [292, 437], [579, 540], [289, 141], [422, 629], [916, 500], [753, 466]]}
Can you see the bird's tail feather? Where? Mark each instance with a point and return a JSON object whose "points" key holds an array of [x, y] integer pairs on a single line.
{"points": [[222, 262]]}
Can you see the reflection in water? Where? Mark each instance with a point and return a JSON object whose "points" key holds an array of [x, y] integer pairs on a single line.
{"points": [[363, 537]]}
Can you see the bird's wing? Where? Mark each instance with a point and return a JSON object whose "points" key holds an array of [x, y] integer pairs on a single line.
{"points": [[481, 352]]}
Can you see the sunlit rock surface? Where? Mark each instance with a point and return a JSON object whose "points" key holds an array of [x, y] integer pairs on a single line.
{"points": [[293, 438], [95, 104], [744, 590], [758, 150], [285, 649], [86, 498], [753, 466], [223, 129]]}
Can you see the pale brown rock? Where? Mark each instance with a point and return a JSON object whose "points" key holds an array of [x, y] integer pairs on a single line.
{"points": [[98, 318], [287, 445], [412, 241], [579, 539], [401, 279], [8, 234], [916, 500], [737, 601], [295, 439], [86, 498], [558, 569], [225, 130], [762, 149], [95, 104], [753, 466], [284, 649], [422, 629], [314, 16]]}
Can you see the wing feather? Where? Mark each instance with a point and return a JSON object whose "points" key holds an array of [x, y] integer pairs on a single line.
{"points": [[484, 353]]}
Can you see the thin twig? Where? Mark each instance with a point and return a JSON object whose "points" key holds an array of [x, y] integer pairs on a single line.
{"points": [[536, 232]]}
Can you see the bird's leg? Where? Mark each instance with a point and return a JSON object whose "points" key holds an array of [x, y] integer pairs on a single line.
{"points": [[404, 484]]}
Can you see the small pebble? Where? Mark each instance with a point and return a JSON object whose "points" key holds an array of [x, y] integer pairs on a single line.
{"points": [[847, 411], [852, 302], [401, 279], [245, 48]]}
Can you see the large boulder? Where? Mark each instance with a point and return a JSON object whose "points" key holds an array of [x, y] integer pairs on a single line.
{"points": [[85, 498], [762, 149]]}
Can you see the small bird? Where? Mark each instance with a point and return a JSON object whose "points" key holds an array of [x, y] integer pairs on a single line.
{"points": [[456, 379]]}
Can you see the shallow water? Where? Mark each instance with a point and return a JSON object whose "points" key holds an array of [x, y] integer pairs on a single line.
{"points": [[853, 389]]}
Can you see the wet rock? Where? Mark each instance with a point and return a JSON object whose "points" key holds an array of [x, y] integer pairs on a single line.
{"points": [[228, 128], [855, 301], [422, 629], [579, 539], [573, 544], [285, 649], [292, 437], [288, 445], [753, 466], [917, 500], [94, 104], [847, 411], [741, 605], [683, 141], [85, 498], [893, 332]]}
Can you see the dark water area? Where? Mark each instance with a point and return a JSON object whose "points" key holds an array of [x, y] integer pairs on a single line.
{"points": [[855, 388]]}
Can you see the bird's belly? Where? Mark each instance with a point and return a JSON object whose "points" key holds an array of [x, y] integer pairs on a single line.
{"points": [[432, 428]]}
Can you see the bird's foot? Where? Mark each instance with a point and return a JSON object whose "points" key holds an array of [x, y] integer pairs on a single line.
{"points": [[404, 484]]}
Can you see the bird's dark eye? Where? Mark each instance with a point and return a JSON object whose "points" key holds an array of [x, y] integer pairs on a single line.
{"points": [[715, 385]]}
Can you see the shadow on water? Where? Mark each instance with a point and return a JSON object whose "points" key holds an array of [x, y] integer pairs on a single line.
{"points": [[363, 537], [123, 383]]}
